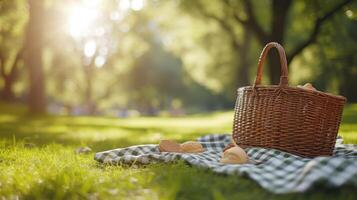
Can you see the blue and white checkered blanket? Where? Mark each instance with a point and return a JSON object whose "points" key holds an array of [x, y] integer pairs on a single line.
{"points": [[274, 170]]}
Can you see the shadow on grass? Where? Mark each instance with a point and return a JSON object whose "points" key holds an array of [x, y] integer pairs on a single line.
{"points": [[74, 131]]}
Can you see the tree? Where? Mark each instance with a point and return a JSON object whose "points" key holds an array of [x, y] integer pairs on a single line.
{"points": [[33, 57], [155, 78], [336, 63], [12, 21], [243, 13], [10, 76]]}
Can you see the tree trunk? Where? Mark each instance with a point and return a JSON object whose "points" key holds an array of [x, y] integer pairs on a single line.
{"points": [[90, 106], [243, 65], [10, 77], [8, 93], [89, 78], [33, 58], [274, 67], [280, 10]]}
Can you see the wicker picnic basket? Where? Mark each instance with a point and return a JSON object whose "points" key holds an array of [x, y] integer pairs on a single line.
{"points": [[292, 119]]}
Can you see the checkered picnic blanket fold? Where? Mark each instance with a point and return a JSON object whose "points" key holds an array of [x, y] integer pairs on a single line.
{"points": [[274, 170]]}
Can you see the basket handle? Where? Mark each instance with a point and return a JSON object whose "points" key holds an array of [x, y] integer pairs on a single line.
{"points": [[283, 64]]}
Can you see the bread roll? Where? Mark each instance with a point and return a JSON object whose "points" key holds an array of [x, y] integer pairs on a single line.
{"points": [[192, 147], [169, 146], [234, 155]]}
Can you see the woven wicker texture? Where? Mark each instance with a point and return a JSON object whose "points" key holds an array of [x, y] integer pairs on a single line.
{"points": [[296, 120]]}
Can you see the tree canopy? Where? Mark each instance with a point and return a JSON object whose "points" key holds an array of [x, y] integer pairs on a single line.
{"points": [[91, 57]]}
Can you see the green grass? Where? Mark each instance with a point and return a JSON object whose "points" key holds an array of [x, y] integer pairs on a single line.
{"points": [[51, 169]]}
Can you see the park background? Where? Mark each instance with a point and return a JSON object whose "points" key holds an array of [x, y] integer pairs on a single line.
{"points": [[114, 73]]}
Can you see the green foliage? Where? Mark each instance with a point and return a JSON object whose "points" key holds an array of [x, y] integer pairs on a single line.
{"points": [[13, 18], [172, 52], [220, 25], [205, 48], [338, 66], [333, 57]]}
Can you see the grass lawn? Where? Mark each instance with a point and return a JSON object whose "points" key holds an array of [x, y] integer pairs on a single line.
{"points": [[51, 169]]}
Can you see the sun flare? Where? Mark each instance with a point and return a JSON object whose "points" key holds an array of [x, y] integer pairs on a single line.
{"points": [[82, 16], [81, 21]]}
